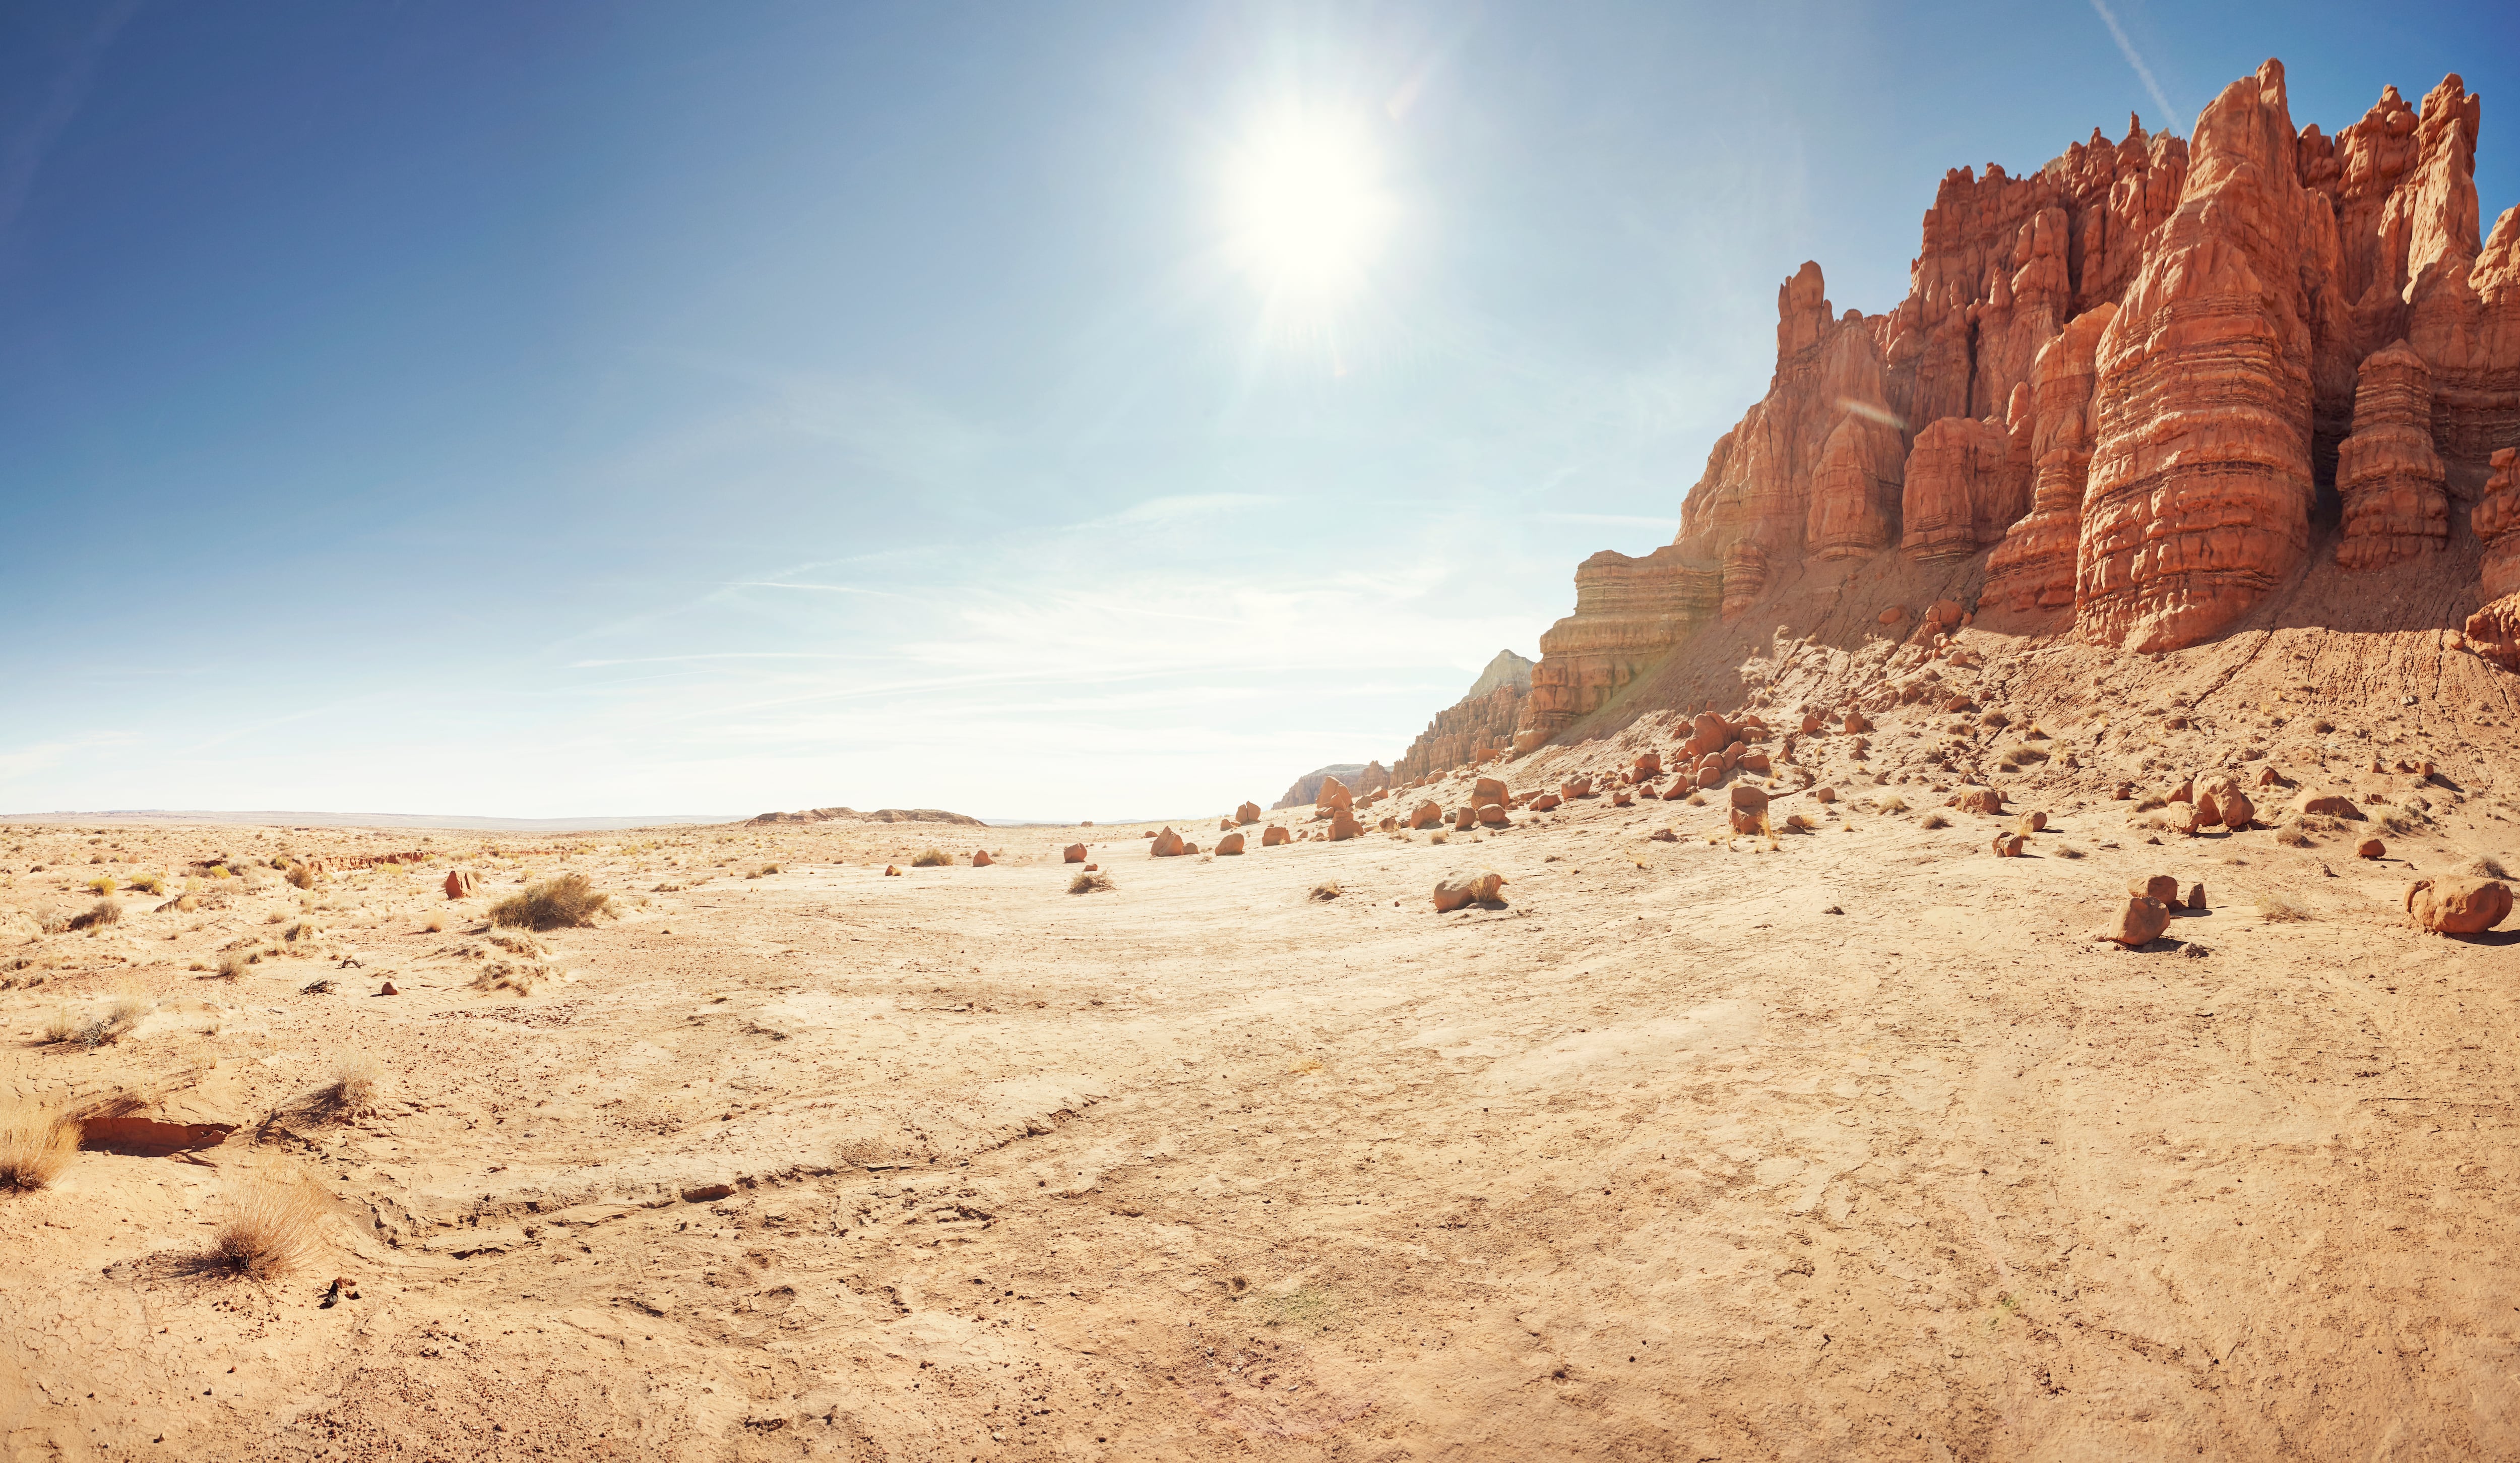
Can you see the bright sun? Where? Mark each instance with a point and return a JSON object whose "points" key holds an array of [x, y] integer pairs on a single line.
{"points": [[1306, 210]]}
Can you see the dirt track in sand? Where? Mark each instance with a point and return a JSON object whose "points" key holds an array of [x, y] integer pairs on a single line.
{"points": [[1662, 1158]]}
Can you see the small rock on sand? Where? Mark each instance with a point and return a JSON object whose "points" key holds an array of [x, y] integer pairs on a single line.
{"points": [[2458, 905], [1455, 890]]}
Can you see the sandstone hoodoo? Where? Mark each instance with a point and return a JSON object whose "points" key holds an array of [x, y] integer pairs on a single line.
{"points": [[2120, 383]]}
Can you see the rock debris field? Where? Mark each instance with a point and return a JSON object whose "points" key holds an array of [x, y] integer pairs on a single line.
{"points": [[1838, 1142]]}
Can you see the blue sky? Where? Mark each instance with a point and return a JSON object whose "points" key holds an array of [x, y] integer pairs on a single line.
{"points": [[614, 408]]}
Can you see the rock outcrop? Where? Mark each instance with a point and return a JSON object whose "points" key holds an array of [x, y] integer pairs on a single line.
{"points": [[1359, 778], [2131, 373], [2386, 472], [1483, 719]]}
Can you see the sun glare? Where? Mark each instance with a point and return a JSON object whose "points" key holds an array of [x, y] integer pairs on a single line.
{"points": [[1307, 212]]}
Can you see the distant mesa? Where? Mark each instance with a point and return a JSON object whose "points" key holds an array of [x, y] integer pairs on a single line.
{"points": [[1482, 719], [852, 815], [1360, 778]]}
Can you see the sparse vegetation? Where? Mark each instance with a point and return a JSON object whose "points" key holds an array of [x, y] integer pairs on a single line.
{"points": [[1440, 836], [1327, 889], [1936, 820], [2488, 867], [302, 876], [232, 965], [102, 913], [101, 883], [148, 883], [931, 858], [97, 1027], [1894, 804], [2152, 801], [1086, 884], [2282, 909], [36, 1145], [436, 924], [499, 975], [554, 905], [2295, 836], [353, 1089], [2068, 850], [272, 1225]]}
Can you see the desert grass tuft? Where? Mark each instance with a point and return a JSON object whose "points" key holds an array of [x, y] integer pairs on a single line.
{"points": [[2295, 836], [36, 1145], [1893, 805], [436, 924], [1086, 884], [232, 965], [1327, 889], [101, 883], [931, 858], [102, 913], [353, 1086], [302, 876], [2282, 909], [149, 883], [271, 1227], [1936, 820], [2488, 867], [553, 904]]}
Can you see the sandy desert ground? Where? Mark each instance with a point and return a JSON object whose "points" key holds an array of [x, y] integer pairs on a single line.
{"points": [[1843, 1143]]}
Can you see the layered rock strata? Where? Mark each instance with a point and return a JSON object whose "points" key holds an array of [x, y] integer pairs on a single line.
{"points": [[2130, 372], [2386, 472], [1480, 722]]}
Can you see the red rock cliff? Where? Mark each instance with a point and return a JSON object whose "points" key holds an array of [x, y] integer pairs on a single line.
{"points": [[2126, 377]]}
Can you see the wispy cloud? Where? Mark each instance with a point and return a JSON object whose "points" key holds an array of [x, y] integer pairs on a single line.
{"points": [[2171, 116]]}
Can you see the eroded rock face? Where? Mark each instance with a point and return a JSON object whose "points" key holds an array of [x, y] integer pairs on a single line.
{"points": [[2387, 472], [1479, 721], [2200, 487], [2132, 372]]}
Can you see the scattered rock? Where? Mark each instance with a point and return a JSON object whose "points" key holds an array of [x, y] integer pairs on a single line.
{"points": [[1824, 794], [389, 988], [1664, 836], [1623, 799], [1977, 800], [462, 883], [1232, 843], [2372, 849], [1073, 853], [1857, 723], [1333, 795], [2328, 805], [2196, 897], [2140, 922], [1427, 816], [2238, 813], [891, 870], [1544, 802], [1488, 791], [980, 858], [2038, 822], [1247, 814], [1897, 612], [1649, 765], [1576, 787], [1274, 835], [1343, 825], [1167, 844], [2008, 845], [1459, 891], [2160, 888], [2458, 905]]}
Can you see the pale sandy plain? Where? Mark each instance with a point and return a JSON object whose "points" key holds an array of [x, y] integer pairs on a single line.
{"points": [[1852, 1145]]}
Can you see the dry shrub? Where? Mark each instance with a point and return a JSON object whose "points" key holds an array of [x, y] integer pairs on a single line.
{"points": [[1803, 823], [102, 913], [2295, 836], [554, 905], [2488, 867], [353, 1086], [232, 965], [149, 883], [1440, 836], [303, 876], [35, 1143], [1086, 884], [95, 1028], [2150, 801], [1326, 890], [436, 924], [273, 1224], [1936, 820], [101, 883], [2025, 753], [1893, 805], [2282, 909], [499, 975], [2068, 850], [931, 858]]}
